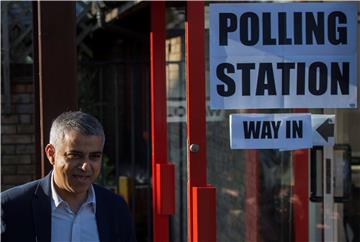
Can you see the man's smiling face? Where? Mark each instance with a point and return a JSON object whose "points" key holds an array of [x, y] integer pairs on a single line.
{"points": [[76, 162]]}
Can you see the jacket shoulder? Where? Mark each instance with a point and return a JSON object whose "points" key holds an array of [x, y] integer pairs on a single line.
{"points": [[20, 191]]}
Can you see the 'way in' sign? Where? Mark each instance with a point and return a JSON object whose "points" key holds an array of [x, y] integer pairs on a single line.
{"points": [[270, 131]]}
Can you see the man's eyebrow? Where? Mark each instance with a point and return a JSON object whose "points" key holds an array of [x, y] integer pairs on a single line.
{"points": [[73, 152]]}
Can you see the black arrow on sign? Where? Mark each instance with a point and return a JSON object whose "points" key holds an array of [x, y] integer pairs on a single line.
{"points": [[326, 129]]}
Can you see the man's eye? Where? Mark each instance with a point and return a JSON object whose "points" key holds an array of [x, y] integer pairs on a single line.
{"points": [[96, 156], [73, 156]]}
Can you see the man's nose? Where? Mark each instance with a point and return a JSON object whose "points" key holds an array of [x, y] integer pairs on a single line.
{"points": [[85, 165]]}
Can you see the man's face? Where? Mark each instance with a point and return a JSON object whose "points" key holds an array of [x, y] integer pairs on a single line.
{"points": [[76, 162]]}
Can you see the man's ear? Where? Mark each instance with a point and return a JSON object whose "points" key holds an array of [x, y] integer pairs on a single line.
{"points": [[50, 153]]}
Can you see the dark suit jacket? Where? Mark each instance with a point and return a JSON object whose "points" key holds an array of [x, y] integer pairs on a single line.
{"points": [[26, 214]]}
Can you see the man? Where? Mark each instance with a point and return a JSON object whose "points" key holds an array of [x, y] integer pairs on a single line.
{"points": [[66, 205]]}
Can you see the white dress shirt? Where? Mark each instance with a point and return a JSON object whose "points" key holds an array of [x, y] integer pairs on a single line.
{"points": [[67, 226]]}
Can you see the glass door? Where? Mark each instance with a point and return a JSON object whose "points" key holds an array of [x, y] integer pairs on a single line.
{"points": [[263, 195], [334, 200]]}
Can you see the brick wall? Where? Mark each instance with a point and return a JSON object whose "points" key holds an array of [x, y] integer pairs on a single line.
{"points": [[17, 136]]}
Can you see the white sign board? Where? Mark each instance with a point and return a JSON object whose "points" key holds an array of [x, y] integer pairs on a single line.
{"points": [[283, 55], [281, 131], [270, 131]]}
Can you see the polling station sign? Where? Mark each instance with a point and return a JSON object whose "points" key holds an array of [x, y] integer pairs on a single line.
{"points": [[270, 131], [283, 55]]}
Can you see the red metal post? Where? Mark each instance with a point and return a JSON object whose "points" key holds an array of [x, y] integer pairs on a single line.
{"points": [[201, 224], [300, 200], [163, 172]]}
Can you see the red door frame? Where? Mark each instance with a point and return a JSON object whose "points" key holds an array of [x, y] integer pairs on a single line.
{"points": [[201, 196], [301, 195], [163, 172], [300, 199]]}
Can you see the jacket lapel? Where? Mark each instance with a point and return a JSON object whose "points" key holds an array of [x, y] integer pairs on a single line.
{"points": [[41, 204], [101, 217]]}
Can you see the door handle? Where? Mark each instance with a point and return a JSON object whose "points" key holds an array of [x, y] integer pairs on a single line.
{"points": [[342, 174]]}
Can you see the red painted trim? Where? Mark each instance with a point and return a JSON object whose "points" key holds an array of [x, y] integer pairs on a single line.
{"points": [[201, 225], [158, 112], [165, 178], [300, 199], [158, 82], [195, 91], [252, 194], [204, 204]]}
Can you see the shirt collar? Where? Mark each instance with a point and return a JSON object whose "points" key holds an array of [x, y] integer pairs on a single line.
{"points": [[91, 199]]}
